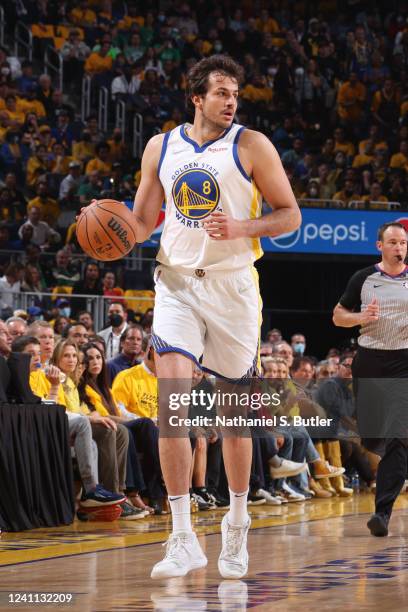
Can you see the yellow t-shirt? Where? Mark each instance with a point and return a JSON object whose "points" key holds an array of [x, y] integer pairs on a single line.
{"points": [[104, 168], [345, 147], [41, 386], [72, 401], [136, 389], [96, 400], [399, 160], [95, 63], [362, 160], [49, 209]]}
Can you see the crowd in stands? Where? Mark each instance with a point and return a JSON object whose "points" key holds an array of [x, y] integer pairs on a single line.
{"points": [[325, 81], [106, 381]]}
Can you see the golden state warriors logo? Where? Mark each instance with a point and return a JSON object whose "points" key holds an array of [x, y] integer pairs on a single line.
{"points": [[196, 194]]}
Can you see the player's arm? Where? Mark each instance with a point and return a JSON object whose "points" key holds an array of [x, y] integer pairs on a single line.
{"points": [[261, 161], [150, 195]]}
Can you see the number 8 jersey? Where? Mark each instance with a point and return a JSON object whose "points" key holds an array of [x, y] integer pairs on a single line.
{"points": [[197, 181]]}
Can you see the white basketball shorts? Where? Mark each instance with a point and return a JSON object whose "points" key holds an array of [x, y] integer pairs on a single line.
{"points": [[215, 316]]}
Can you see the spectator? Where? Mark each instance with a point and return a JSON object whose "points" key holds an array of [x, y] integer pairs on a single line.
{"points": [[48, 207], [84, 149], [109, 288], [375, 196], [43, 235], [348, 193], [77, 333], [131, 351], [44, 333], [386, 104], [400, 160], [16, 326], [99, 62], [117, 317], [38, 165], [90, 189], [85, 318], [44, 93], [33, 283], [70, 184], [95, 393], [66, 273], [74, 52], [90, 285], [27, 80], [350, 99], [101, 161], [10, 285]]}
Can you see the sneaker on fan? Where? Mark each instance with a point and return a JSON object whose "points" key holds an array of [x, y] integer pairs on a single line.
{"points": [[290, 494], [233, 560], [271, 500], [287, 468], [101, 497], [130, 513], [323, 469], [183, 554], [199, 502], [204, 497], [255, 500]]}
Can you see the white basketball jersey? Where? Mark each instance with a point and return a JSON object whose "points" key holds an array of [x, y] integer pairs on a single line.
{"points": [[197, 181]]}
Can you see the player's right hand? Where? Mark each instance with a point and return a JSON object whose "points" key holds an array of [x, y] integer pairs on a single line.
{"points": [[371, 313]]}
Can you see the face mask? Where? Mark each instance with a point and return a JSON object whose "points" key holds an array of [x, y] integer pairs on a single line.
{"points": [[299, 347], [5, 71], [313, 192], [65, 312], [217, 47], [117, 137], [115, 320]]}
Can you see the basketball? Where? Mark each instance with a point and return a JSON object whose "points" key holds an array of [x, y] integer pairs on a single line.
{"points": [[106, 230]]}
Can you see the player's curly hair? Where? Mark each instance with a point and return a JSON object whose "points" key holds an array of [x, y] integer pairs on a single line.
{"points": [[197, 76]]}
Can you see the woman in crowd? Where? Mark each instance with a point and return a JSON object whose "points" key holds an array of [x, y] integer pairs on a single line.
{"points": [[111, 440], [95, 393]]}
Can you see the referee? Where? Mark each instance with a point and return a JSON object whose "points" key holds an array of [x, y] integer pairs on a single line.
{"points": [[376, 299]]}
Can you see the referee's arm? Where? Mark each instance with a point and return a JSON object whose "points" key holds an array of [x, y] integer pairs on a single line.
{"points": [[343, 317], [350, 312]]}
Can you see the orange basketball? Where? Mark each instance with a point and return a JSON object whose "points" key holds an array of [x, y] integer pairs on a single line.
{"points": [[106, 230]]}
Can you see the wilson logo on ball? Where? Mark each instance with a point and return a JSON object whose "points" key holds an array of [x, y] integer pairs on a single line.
{"points": [[119, 231]]}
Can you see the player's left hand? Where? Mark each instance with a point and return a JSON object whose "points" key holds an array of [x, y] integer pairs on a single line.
{"points": [[220, 226]]}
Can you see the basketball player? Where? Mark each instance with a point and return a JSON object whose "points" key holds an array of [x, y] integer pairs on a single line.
{"points": [[376, 298], [213, 175]]}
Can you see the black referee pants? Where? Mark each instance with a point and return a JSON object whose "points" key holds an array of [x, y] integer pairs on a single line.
{"points": [[384, 366], [391, 475]]}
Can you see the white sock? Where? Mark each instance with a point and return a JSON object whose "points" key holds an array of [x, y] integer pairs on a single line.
{"points": [[238, 512], [180, 512]]}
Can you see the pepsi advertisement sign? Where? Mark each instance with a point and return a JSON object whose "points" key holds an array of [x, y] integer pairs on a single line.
{"points": [[341, 232], [348, 232]]}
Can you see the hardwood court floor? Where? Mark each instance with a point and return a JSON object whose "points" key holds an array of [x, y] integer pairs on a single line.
{"points": [[312, 556]]}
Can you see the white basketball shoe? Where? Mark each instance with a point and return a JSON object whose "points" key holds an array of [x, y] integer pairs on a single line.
{"points": [[183, 554], [233, 560]]}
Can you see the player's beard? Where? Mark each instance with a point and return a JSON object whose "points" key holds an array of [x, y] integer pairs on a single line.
{"points": [[215, 123]]}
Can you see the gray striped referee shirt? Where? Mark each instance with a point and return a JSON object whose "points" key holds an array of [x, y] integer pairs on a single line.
{"points": [[390, 332]]}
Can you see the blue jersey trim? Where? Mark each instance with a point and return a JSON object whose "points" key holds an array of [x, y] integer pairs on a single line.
{"points": [[163, 151], [236, 156], [203, 147]]}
